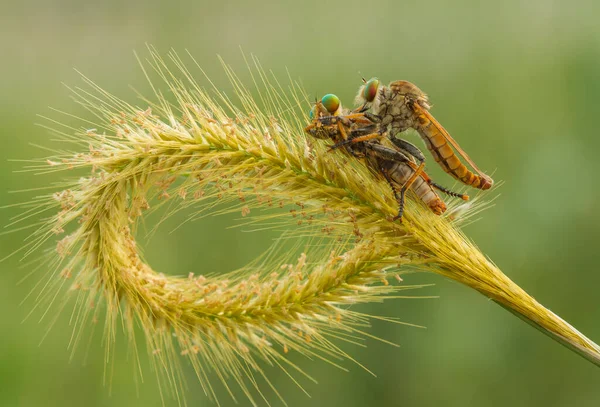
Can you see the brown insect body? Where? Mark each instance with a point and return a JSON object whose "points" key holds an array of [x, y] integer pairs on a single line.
{"points": [[403, 105], [436, 137], [398, 173]]}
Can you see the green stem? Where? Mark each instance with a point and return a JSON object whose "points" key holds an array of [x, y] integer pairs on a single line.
{"points": [[587, 353]]}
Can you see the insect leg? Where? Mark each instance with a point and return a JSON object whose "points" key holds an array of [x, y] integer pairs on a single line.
{"points": [[419, 172], [344, 135], [357, 139], [389, 154], [361, 117], [409, 148], [361, 109], [372, 117], [400, 205], [445, 190], [412, 179], [398, 197], [347, 120], [395, 155], [342, 132]]}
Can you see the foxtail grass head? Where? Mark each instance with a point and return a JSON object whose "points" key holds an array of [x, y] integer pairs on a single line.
{"points": [[249, 156]]}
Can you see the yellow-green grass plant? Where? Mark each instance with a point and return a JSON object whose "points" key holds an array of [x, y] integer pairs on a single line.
{"points": [[204, 152]]}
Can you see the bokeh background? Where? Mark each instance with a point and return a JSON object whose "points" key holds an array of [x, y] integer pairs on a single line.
{"points": [[516, 82]]}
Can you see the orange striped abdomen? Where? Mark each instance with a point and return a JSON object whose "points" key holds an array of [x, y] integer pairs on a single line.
{"points": [[400, 173], [445, 156]]}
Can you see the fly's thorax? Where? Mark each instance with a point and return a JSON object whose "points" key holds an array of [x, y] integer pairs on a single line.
{"points": [[395, 111], [408, 89], [402, 95]]}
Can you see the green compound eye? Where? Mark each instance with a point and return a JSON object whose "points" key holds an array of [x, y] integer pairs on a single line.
{"points": [[331, 102], [370, 90], [311, 114]]}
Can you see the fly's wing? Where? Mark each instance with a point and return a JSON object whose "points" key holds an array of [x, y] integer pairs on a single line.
{"points": [[420, 110]]}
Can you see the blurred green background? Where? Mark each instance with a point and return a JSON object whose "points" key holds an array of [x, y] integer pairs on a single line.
{"points": [[516, 82]]}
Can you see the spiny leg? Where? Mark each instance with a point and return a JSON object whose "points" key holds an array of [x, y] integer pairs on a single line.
{"points": [[361, 109], [364, 132], [344, 136], [342, 131], [357, 139], [408, 148], [372, 117], [399, 199], [347, 120], [445, 190], [439, 187], [400, 205], [394, 155], [389, 154], [360, 117], [410, 181]]}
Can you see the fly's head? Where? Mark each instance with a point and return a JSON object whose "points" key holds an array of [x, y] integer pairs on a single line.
{"points": [[367, 93], [331, 104], [322, 116]]}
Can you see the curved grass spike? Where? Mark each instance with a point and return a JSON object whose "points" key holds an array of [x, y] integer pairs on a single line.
{"points": [[198, 151]]}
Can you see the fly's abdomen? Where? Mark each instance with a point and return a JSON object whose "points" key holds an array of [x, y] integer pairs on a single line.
{"points": [[445, 156], [400, 173]]}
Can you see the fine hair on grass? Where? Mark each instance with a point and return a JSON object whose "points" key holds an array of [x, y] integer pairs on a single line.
{"points": [[200, 151]]}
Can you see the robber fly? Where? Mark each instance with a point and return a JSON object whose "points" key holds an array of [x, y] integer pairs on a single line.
{"points": [[401, 106], [397, 163]]}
